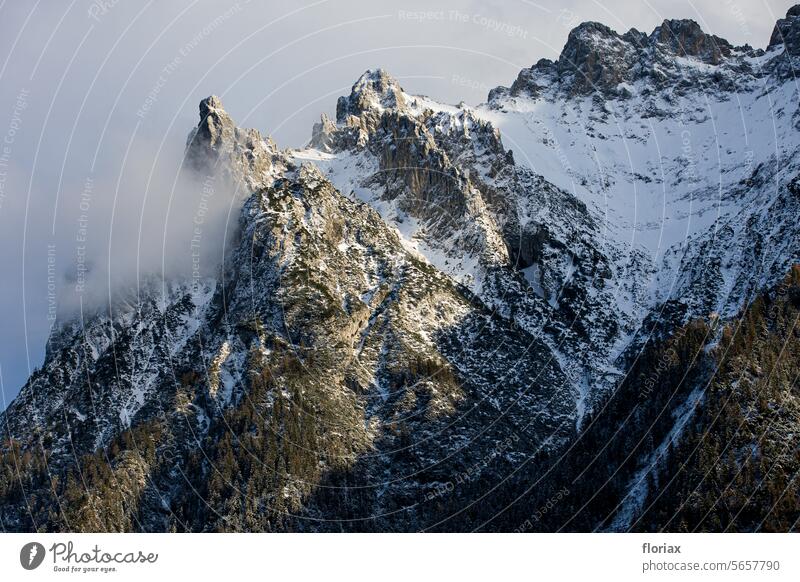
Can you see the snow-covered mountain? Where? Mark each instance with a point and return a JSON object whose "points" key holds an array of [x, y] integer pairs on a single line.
{"points": [[430, 307]]}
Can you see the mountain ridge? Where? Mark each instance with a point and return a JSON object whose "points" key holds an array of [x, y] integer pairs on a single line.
{"points": [[414, 314]]}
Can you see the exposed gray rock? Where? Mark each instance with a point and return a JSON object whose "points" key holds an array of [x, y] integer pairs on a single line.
{"points": [[218, 147]]}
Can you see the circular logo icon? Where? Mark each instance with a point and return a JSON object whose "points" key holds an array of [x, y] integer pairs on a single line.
{"points": [[31, 555]]}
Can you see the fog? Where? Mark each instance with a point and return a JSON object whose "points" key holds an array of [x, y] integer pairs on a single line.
{"points": [[97, 98]]}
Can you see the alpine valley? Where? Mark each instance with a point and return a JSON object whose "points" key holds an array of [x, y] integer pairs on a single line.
{"points": [[571, 308]]}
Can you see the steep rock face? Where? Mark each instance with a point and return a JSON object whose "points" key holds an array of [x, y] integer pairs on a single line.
{"points": [[785, 42], [685, 38], [217, 147], [787, 32], [595, 56]]}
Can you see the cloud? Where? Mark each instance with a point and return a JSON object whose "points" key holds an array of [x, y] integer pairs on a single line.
{"points": [[154, 218]]}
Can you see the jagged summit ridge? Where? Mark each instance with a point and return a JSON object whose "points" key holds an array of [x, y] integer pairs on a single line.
{"points": [[375, 89], [597, 59]]}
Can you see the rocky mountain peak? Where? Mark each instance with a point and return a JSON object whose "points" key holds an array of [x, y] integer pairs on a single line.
{"points": [[587, 36], [215, 132], [215, 127], [375, 90], [787, 32], [322, 133], [596, 56], [218, 145], [210, 104], [685, 38]]}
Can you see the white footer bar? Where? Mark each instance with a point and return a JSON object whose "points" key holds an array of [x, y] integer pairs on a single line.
{"points": [[388, 557]]}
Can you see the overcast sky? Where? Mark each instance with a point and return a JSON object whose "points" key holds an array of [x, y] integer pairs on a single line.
{"points": [[96, 99]]}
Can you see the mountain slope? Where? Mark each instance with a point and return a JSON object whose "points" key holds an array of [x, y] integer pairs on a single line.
{"points": [[446, 318]]}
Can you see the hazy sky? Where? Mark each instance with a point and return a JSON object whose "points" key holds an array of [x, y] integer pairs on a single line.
{"points": [[96, 99]]}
